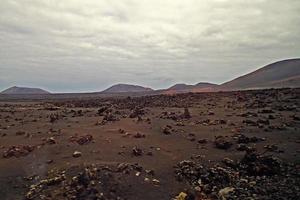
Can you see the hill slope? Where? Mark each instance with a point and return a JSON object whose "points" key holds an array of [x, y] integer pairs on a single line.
{"points": [[24, 90], [122, 88], [280, 74], [182, 88]]}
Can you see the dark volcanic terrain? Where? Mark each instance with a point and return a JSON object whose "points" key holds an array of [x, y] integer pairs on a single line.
{"points": [[223, 145]]}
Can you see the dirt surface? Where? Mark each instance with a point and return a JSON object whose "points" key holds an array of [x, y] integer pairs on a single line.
{"points": [[227, 145]]}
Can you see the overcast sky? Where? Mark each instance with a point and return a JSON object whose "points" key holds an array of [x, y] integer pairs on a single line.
{"points": [[88, 45]]}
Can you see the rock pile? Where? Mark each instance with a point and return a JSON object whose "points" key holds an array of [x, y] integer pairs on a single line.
{"points": [[90, 183], [18, 151], [84, 139], [253, 177]]}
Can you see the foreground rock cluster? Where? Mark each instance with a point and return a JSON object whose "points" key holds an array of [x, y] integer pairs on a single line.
{"points": [[76, 183], [253, 177]]}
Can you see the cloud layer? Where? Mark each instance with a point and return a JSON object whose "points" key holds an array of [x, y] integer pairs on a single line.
{"points": [[77, 45]]}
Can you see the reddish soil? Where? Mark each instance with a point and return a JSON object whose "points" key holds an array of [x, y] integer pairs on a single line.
{"points": [[107, 132]]}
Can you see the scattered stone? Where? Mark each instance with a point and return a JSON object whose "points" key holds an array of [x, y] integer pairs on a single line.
{"points": [[181, 196], [156, 182], [222, 142], [186, 114], [170, 115], [137, 111], [229, 162], [202, 141], [137, 151], [223, 193], [20, 133], [167, 130], [122, 131], [150, 172], [271, 117], [272, 148], [244, 147], [84, 139], [149, 153], [263, 121], [49, 161], [109, 117], [18, 151], [54, 117], [295, 117], [139, 135], [266, 111], [191, 137], [211, 112], [50, 140], [137, 173], [250, 122], [102, 110], [245, 140], [77, 154]]}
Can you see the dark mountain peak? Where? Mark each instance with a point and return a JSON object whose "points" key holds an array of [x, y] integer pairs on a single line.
{"points": [[24, 90], [121, 88], [180, 86]]}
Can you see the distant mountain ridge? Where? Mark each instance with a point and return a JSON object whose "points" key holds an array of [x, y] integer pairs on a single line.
{"points": [[123, 88], [24, 90], [281, 74]]}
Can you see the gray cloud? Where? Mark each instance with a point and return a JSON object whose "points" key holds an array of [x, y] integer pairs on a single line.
{"points": [[88, 45]]}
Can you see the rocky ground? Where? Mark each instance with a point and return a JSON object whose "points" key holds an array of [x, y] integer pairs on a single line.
{"points": [[227, 145]]}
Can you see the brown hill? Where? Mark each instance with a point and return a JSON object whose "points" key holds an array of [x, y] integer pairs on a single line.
{"points": [[180, 86], [123, 88], [280, 74], [24, 90], [183, 88]]}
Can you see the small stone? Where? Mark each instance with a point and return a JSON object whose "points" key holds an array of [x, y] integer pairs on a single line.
{"points": [[167, 130], [139, 135], [51, 140], [181, 196], [149, 153], [77, 154], [252, 183], [49, 161], [137, 151], [222, 142], [155, 181], [138, 174], [20, 133], [149, 171], [186, 113], [202, 141], [146, 179], [223, 192]]}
